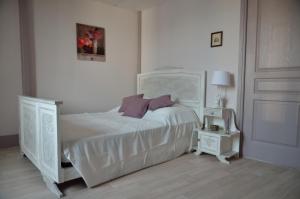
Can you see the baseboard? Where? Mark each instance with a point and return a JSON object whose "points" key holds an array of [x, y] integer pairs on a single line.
{"points": [[7, 141], [269, 162]]}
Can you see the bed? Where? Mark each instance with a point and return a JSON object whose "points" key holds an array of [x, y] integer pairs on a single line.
{"points": [[104, 146]]}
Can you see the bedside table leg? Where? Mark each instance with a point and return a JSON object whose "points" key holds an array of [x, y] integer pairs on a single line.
{"points": [[223, 159], [198, 152]]}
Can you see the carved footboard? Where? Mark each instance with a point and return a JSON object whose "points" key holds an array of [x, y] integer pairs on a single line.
{"points": [[40, 139]]}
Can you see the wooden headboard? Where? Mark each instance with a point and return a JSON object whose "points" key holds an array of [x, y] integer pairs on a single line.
{"points": [[185, 87]]}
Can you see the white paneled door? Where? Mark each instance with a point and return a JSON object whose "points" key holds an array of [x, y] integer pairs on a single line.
{"points": [[272, 82]]}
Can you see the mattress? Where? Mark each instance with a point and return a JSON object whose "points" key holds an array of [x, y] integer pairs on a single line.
{"points": [[104, 146]]}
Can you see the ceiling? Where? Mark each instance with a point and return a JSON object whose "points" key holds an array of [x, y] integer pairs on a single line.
{"points": [[133, 4]]}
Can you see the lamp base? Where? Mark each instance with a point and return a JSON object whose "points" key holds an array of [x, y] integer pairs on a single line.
{"points": [[219, 102], [222, 103]]}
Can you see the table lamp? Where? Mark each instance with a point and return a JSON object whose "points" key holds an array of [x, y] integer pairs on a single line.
{"points": [[222, 80]]}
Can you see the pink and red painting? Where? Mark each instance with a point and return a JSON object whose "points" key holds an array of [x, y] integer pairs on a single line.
{"points": [[90, 43]]}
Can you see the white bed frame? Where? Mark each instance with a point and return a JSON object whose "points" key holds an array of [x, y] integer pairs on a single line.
{"points": [[40, 140], [40, 137], [186, 87]]}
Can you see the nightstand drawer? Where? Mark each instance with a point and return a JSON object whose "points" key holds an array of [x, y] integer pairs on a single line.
{"points": [[214, 112], [209, 144]]}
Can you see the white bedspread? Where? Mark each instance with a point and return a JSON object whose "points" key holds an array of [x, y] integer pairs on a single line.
{"points": [[104, 146]]}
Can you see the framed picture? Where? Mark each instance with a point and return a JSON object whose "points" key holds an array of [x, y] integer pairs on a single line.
{"points": [[216, 39], [90, 42]]}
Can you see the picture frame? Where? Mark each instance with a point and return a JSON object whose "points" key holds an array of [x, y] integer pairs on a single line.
{"points": [[90, 43], [216, 39]]}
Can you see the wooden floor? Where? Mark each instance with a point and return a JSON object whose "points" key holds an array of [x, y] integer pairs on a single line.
{"points": [[187, 177]]}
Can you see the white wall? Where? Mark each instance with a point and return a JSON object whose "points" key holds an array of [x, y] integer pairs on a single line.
{"points": [[177, 33], [84, 86], [10, 66]]}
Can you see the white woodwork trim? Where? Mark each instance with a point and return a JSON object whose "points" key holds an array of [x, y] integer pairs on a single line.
{"points": [[40, 100], [242, 64]]}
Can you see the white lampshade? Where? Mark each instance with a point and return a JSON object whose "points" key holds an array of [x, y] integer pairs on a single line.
{"points": [[220, 78]]}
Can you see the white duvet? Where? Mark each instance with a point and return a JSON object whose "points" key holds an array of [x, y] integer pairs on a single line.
{"points": [[104, 146]]}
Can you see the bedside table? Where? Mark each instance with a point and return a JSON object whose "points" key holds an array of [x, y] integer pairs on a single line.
{"points": [[218, 143], [223, 143]]}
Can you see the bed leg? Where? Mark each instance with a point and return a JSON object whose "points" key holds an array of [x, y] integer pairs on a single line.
{"points": [[22, 154], [52, 186]]}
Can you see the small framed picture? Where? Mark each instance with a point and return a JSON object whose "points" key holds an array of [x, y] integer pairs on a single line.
{"points": [[216, 39]]}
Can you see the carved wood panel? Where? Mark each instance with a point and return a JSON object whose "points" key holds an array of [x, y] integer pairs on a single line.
{"points": [[185, 87], [278, 85], [50, 146], [39, 135], [29, 139], [276, 122], [278, 33]]}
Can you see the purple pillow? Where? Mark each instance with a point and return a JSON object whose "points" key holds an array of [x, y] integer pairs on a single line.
{"points": [[127, 100], [160, 102], [137, 108]]}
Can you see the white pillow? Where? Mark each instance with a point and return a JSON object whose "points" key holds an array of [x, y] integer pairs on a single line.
{"points": [[175, 114], [116, 109]]}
